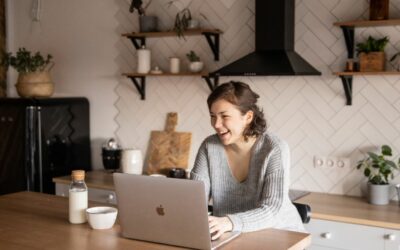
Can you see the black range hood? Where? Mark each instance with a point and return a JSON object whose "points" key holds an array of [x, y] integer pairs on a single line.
{"points": [[274, 54]]}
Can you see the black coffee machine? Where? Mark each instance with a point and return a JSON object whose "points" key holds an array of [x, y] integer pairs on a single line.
{"points": [[111, 155]]}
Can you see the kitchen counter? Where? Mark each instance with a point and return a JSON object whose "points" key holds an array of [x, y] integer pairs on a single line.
{"points": [[104, 180], [355, 210], [338, 208], [40, 221], [93, 179]]}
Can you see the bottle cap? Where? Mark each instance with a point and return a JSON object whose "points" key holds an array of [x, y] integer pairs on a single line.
{"points": [[78, 175]]}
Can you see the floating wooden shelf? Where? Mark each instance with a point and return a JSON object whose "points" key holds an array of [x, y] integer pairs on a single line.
{"points": [[172, 33], [347, 80], [369, 23], [166, 74], [212, 35], [139, 40], [348, 32], [358, 73]]}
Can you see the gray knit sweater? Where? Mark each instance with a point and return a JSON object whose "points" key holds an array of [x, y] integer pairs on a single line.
{"points": [[262, 200]]}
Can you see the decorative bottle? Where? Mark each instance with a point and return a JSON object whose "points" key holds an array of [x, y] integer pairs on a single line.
{"points": [[78, 198], [144, 60]]}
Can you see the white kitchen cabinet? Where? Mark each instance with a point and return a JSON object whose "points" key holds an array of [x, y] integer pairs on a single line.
{"points": [[392, 239], [94, 194], [338, 235]]}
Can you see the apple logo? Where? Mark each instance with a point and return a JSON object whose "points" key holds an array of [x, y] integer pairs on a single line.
{"points": [[160, 210]]}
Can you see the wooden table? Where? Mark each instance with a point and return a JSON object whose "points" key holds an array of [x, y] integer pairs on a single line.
{"points": [[350, 209], [40, 221]]}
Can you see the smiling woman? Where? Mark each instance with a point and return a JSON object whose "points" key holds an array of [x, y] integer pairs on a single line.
{"points": [[244, 168]]}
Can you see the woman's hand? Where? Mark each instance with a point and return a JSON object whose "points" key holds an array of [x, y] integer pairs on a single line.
{"points": [[218, 226]]}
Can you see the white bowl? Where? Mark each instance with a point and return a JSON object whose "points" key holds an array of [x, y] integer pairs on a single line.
{"points": [[101, 217]]}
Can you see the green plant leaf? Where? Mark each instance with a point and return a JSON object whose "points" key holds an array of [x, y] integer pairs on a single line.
{"points": [[391, 164], [359, 165], [372, 44], [386, 150], [374, 156], [375, 179], [367, 172], [376, 165], [24, 61]]}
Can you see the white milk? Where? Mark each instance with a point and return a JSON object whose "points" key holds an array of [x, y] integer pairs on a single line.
{"points": [[78, 203]]}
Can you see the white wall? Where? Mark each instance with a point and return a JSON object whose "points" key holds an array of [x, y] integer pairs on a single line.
{"points": [[309, 112], [81, 37]]}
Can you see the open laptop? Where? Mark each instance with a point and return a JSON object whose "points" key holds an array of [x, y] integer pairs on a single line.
{"points": [[165, 210]]}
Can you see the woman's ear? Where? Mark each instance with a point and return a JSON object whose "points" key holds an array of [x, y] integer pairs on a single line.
{"points": [[249, 116]]}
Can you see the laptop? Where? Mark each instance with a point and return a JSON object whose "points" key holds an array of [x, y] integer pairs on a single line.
{"points": [[165, 210]]}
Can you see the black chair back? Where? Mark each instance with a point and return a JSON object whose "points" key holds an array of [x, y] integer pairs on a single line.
{"points": [[304, 212]]}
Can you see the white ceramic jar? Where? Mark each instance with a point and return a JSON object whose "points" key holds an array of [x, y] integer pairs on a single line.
{"points": [[131, 161]]}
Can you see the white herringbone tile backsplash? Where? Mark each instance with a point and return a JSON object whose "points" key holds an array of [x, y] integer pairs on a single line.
{"points": [[308, 112]]}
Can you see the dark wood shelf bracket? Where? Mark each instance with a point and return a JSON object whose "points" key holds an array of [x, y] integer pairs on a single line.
{"points": [[212, 81], [138, 42], [213, 41], [140, 84], [348, 32], [348, 88]]}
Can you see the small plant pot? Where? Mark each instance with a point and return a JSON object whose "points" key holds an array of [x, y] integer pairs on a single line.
{"points": [[196, 67], [378, 194], [372, 61], [193, 24], [148, 23], [35, 84], [378, 9]]}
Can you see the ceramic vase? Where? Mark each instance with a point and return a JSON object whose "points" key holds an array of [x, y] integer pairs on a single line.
{"points": [[131, 161], [378, 194]]}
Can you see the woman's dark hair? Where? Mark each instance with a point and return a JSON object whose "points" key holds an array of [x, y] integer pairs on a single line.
{"points": [[240, 95]]}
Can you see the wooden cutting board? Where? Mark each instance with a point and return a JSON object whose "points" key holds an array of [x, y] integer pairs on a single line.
{"points": [[168, 149]]}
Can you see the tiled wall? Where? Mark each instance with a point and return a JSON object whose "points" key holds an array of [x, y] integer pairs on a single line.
{"points": [[308, 112]]}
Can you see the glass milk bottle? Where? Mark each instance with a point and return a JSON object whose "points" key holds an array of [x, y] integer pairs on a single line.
{"points": [[78, 198]]}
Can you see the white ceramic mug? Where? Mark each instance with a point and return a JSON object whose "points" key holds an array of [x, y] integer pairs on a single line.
{"points": [[131, 161]]}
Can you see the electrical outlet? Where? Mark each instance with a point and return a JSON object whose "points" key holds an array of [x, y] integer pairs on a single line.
{"points": [[343, 162], [319, 161], [330, 162]]}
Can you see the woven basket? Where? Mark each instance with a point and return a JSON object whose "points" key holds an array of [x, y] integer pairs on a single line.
{"points": [[35, 84], [372, 61]]}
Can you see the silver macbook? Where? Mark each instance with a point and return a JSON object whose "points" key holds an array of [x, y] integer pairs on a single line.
{"points": [[165, 210]]}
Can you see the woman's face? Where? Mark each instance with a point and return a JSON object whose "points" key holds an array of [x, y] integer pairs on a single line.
{"points": [[228, 121]]}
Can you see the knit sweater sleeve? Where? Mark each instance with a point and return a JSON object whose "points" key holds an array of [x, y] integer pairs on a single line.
{"points": [[271, 199], [200, 170]]}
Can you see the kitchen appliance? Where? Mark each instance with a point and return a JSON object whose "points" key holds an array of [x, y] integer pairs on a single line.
{"points": [[111, 155], [274, 49], [41, 139]]}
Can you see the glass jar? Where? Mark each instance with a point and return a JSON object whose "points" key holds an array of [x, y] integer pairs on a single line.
{"points": [[78, 198]]}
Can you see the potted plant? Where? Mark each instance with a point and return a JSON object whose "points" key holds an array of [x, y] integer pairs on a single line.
{"points": [[146, 23], [372, 54], [182, 20], [195, 64], [34, 78], [378, 170]]}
